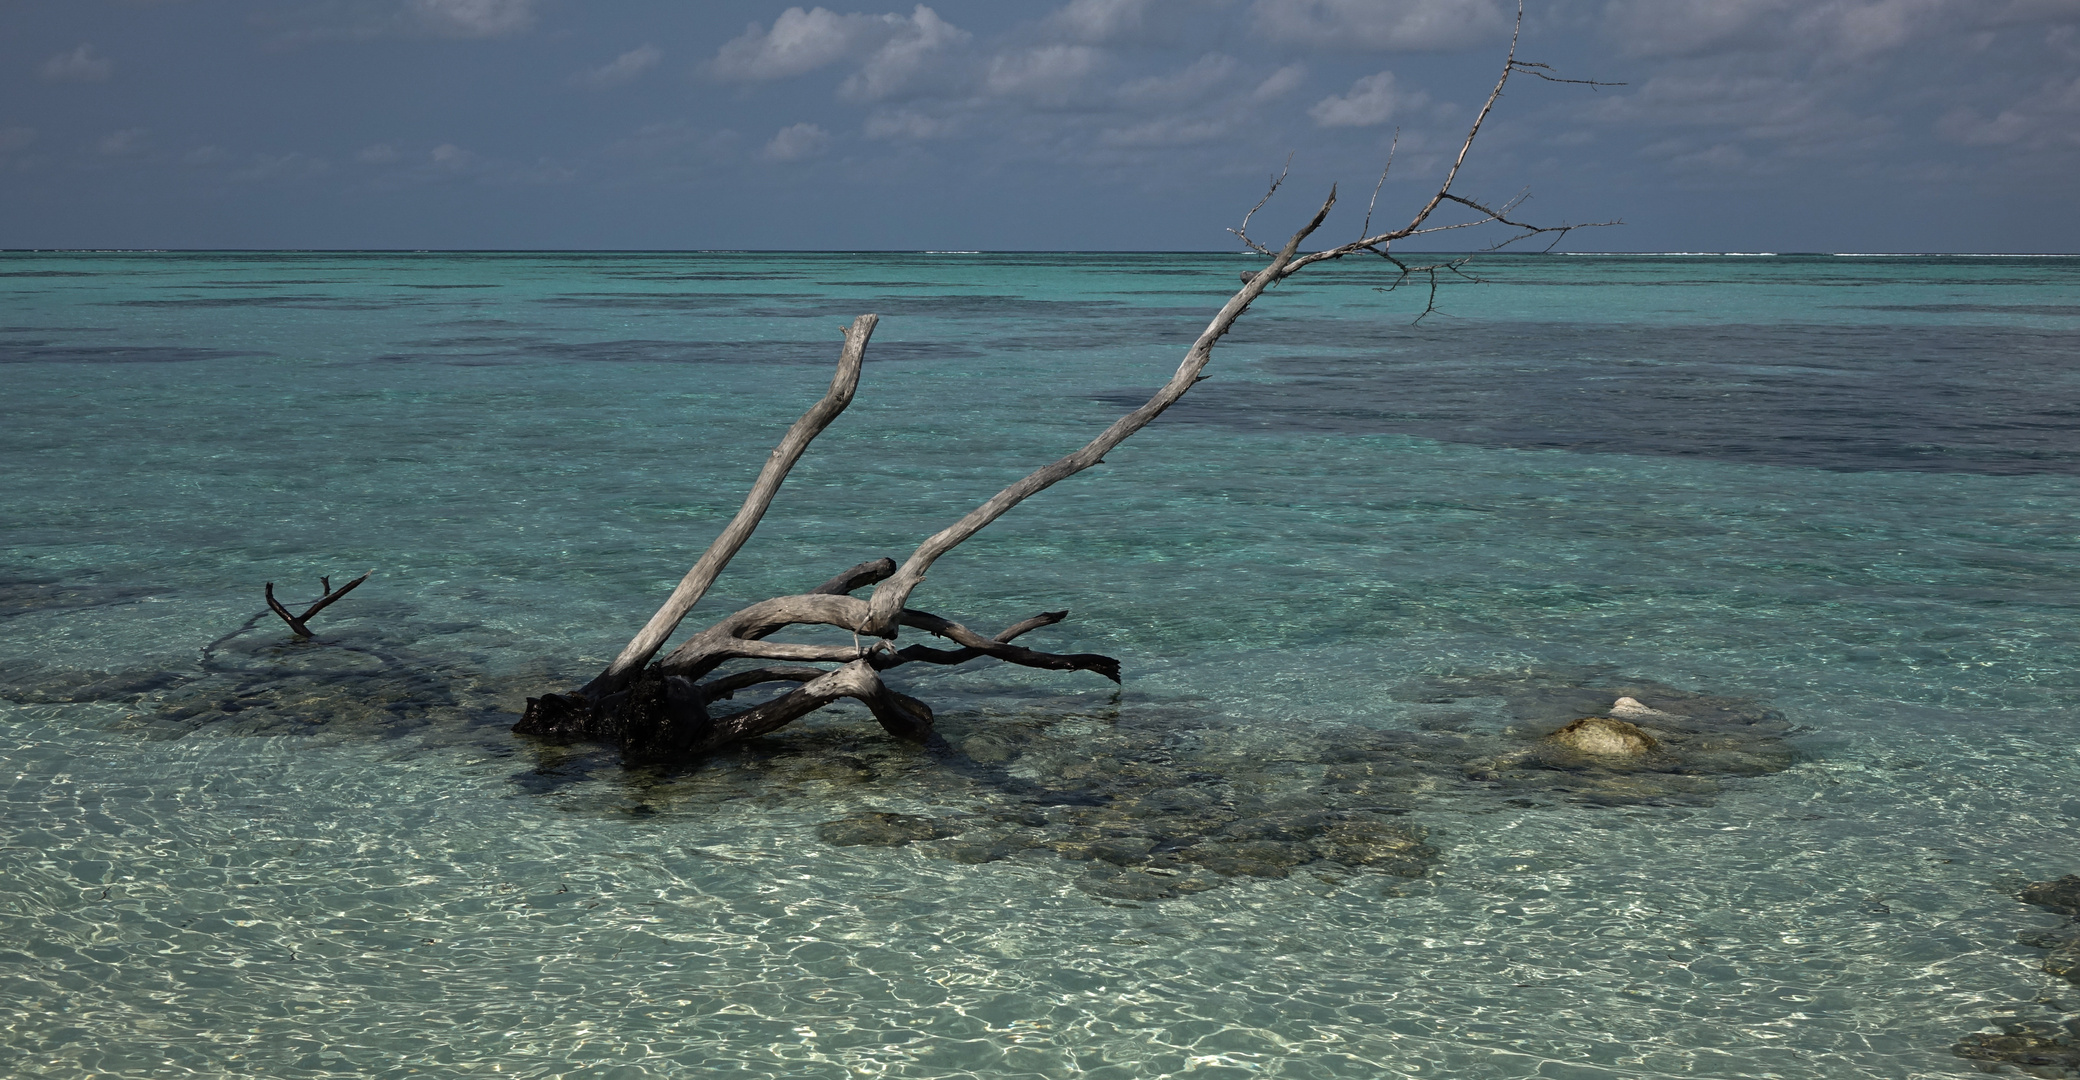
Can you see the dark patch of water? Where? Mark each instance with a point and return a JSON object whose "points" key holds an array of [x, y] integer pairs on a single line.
{"points": [[641, 351], [306, 301], [23, 595], [44, 352], [650, 301], [1972, 309], [1991, 400]]}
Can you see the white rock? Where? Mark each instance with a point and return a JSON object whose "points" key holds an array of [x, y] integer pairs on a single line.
{"points": [[1627, 708]]}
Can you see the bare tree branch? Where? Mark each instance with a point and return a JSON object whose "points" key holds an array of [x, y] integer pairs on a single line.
{"points": [[720, 688], [1243, 231], [888, 598], [1379, 243], [961, 635], [1380, 183], [904, 717], [697, 580], [660, 711], [858, 577], [297, 623]]}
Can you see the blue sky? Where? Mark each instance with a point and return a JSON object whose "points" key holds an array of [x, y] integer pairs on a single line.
{"points": [[1787, 125]]}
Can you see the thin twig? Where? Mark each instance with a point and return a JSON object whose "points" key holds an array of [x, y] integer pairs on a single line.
{"points": [[1529, 68], [1391, 147], [332, 594], [1243, 232]]}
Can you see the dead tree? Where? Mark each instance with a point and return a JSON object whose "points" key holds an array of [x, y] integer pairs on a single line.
{"points": [[665, 710]]}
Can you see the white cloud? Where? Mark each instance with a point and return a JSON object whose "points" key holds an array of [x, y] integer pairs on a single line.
{"points": [[1381, 24], [290, 166], [1374, 99], [908, 53], [1280, 83], [448, 157], [472, 18], [890, 48], [1095, 22], [908, 124], [797, 142], [799, 42], [15, 138], [1048, 75], [119, 143], [624, 68], [1756, 121], [676, 141], [2048, 117], [369, 20], [1690, 27], [1169, 131], [379, 154], [1846, 29], [1206, 75], [79, 65]]}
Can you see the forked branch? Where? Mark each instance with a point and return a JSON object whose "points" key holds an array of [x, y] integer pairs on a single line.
{"points": [[298, 623], [1380, 244], [725, 547]]}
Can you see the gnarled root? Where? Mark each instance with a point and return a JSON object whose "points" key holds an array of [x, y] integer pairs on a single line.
{"points": [[665, 714]]}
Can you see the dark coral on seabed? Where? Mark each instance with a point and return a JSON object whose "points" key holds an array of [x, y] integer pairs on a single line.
{"points": [[1155, 811], [2050, 1049]]}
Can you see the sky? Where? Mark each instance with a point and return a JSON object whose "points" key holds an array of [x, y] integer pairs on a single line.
{"points": [[1740, 125]]}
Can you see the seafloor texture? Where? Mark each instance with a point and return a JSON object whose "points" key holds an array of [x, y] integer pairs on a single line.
{"points": [[1797, 533]]}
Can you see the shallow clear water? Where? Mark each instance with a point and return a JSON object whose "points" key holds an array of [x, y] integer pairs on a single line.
{"points": [[1839, 489]]}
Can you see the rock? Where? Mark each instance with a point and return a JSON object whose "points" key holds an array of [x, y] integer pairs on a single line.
{"points": [[1587, 739], [1117, 883], [2064, 959], [878, 829], [1631, 708], [974, 852], [1377, 844], [1261, 858], [1605, 737], [989, 749], [2062, 896], [2041, 1049]]}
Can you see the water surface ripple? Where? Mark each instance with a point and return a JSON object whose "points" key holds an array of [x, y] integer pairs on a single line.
{"points": [[1353, 581]]}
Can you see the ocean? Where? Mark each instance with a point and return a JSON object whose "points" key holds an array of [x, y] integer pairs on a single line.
{"points": [[1815, 515]]}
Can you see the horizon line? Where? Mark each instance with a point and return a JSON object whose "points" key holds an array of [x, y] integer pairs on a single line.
{"points": [[1008, 251]]}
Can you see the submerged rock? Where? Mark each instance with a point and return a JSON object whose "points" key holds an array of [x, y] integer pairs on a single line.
{"points": [[1618, 742], [1156, 804], [2041, 1049], [879, 829], [1121, 883], [36, 686], [1604, 737], [2062, 956], [2062, 896]]}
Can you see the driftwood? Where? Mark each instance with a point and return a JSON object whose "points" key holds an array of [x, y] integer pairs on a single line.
{"points": [[665, 710], [297, 622]]}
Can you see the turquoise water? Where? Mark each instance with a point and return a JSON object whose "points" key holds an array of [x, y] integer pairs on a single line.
{"points": [[1359, 567]]}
